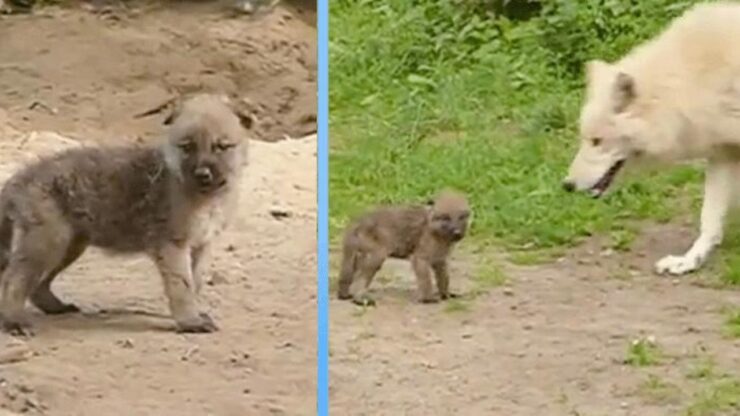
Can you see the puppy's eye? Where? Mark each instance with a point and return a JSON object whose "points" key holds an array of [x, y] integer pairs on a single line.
{"points": [[442, 217], [186, 147], [596, 141], [222, 147], [464, 216]]}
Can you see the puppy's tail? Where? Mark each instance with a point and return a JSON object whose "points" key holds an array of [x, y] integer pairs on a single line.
{"points": [[347, 269], [6, 236]]}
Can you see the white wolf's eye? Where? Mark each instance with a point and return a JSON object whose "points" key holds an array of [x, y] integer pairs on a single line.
{"points": [[596, 141]]}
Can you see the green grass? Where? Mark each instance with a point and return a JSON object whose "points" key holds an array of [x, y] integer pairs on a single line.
{"points": [[533, 257], [489, 274], [704, 369], [721, 398], [407, 120], [457, 305], [732, 323], [656, 391], [643, 353]]}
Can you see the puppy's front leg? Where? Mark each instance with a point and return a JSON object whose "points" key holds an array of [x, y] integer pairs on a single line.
{"points": [[718, 193], [174, 265], [422, 270], [200, 260]]}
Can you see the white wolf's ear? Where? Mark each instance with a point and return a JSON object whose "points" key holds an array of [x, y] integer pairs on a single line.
{"points": [[624, 91]]}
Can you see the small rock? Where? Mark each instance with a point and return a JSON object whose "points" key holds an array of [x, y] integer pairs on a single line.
{"points": [[528, 327], [14, 352], [33, 403], [125, 343], [247, 391], [189, 353], [280, 213], [24, 389], [429, 365], [467, 335], [217, 278], [624, 405], [508, 291]]}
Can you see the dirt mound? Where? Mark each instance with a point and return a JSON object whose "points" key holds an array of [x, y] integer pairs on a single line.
{"points": [[86, 75]]}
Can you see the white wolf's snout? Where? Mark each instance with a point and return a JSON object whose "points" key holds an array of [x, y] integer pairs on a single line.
{"points": [[592, 170]]}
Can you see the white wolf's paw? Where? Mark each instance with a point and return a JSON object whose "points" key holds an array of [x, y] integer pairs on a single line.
{"points": [[677, 265]]}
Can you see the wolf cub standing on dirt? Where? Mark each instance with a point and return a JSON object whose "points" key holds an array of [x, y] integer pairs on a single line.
{"points": [[168, 202], [423, 234]]}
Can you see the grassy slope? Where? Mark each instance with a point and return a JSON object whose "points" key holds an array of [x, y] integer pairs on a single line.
{"points": [[401, 137]]}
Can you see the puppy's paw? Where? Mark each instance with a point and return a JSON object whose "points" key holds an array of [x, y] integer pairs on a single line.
{"points": [[677, 265], [429, 299], [364, 300], [342, 295], [18, 328], [200, 325], [64, 308]]}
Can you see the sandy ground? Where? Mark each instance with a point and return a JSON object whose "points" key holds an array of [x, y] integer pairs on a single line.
{"points": [[88, 74], [551, 342]]}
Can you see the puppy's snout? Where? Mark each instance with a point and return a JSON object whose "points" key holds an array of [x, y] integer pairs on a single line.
{"points": [[204, 175], [569, 186]]}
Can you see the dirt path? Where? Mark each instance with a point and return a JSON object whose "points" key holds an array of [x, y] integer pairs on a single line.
{"points": [[552, 343], [89, 75]]}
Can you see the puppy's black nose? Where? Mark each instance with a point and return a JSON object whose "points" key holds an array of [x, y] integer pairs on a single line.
{"points": [[569, 186], [204, 175]]}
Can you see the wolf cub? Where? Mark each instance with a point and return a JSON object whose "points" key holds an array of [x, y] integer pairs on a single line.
{"points": [[423, 234], [167, 201]]}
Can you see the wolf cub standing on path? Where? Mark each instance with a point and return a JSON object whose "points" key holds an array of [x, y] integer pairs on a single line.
{"points": [[168, 202], [423, 234]]}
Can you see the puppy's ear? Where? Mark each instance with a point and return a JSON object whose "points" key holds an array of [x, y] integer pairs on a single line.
{"points": [[245, 119], [240, 109], [175, 110]]}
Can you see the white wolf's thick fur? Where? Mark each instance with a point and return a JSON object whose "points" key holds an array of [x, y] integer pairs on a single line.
{"points": [[675, 97]]}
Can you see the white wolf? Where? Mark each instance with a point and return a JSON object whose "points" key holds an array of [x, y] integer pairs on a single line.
{"points": [[675, 97]]}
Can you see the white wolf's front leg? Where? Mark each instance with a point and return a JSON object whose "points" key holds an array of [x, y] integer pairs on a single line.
{"points": [[718, 192]]}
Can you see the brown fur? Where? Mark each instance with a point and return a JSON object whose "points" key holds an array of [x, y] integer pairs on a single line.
{"points": [[168, 202], [423, 234]]}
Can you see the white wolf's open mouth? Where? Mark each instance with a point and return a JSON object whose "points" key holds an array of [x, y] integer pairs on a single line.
{"points": [[606, 180]]}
